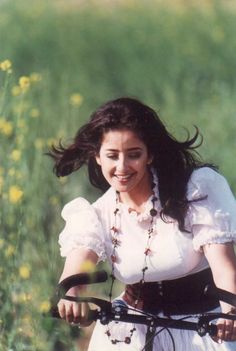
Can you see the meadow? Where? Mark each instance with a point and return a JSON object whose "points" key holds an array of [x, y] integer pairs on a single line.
{"points": [[60, 61]]}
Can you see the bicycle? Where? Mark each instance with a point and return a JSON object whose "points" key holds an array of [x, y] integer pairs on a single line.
{"points": [[119, 311]]}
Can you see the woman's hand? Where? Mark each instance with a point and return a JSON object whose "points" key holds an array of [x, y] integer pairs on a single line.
{"points": [[79, 260], [74, 312], [226, 330], [222, 260]]}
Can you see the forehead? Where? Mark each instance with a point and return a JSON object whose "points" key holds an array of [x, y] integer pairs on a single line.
{"points": [[121, 139]]}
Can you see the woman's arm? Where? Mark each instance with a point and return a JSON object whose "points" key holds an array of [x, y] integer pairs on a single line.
{"points": [[78, 261], [222, 260]]}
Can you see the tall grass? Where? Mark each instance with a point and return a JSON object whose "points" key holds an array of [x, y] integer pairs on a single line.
{"points": [[65, 62]]}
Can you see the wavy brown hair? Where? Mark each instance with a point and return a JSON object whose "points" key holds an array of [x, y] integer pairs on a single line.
{"points": [[173, 160]]}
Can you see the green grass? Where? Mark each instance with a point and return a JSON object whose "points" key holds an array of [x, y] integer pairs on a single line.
{"points": [[180, 61]]}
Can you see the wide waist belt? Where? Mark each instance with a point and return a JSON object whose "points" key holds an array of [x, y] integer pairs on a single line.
{"points": [[172, 297]]}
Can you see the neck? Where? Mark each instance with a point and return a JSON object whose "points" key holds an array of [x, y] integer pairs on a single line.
{"points": [[136, 200]]}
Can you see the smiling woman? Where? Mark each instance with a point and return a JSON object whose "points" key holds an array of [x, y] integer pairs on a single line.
{"points": [[164, 216], [123, 158]]}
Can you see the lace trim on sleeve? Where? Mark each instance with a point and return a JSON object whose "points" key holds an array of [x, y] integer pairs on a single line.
{"points": [[204, 236]]}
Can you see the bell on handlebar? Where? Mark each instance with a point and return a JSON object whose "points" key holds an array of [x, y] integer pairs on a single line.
{"points": [[119, 306]]}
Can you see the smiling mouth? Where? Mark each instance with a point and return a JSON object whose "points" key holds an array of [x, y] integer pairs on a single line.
{"points": [[123, 177]]}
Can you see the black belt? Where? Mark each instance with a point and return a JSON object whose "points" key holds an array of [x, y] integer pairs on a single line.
{"points": [[172, 297]]}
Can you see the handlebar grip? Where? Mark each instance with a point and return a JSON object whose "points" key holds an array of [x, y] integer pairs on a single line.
{"points": [[92, 315], [81, 279]]}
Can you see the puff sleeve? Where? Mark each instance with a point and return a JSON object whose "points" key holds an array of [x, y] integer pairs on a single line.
{"points": [[82, 229], [213, 218]]}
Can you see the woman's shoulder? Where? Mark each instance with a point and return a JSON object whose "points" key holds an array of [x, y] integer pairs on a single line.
{"points": [[204, 173], [75, 205], [205, 181], [105, 201], [204, 176]]}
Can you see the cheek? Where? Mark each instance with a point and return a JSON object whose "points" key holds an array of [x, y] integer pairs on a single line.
{"points": [[142, 165], [106, 166]]}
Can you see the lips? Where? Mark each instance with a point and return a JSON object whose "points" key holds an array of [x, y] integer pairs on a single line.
{"points": [[123, 177]]}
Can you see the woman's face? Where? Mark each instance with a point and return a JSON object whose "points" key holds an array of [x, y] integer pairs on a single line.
{"points": [[124, 158]]}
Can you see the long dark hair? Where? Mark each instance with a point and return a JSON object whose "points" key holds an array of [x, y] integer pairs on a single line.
{"points": [[173, 160]]}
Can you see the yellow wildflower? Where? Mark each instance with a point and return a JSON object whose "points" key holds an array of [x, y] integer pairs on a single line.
{"points": [[39, 143], [1, 243], [24, 83], [44, 306], [24, 271], [15, 194], [35, 77], [54, 200], [63, 180], [1, 183], [15, 155], [23, 297], [34, 113], [6, 65], [6, 127], [51, 141], [10, 251], [88, 266], [76, 99], [16, 90]]}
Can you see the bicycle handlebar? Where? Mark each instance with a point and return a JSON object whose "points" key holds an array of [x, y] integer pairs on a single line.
{"points": [[81, 279], [119, 312], [109, 312]]}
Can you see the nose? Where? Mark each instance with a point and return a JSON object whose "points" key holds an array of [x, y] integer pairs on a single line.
{"points": [[121, 165]]}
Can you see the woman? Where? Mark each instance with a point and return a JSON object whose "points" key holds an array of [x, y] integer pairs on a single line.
{"points": [[165, 217]]}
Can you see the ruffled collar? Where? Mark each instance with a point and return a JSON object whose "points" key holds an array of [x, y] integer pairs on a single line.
{"points": [[145, 215]]}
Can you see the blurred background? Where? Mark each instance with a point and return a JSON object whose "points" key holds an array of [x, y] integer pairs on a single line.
{"points": [[59, 61]]}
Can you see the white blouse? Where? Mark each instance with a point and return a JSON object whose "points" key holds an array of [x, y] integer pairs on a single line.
{"points": [[174, 254]]}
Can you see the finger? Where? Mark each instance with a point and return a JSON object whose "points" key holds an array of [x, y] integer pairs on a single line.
{"points": [[76, 310], [61, 309], [220, 330], [233, 335], [84, 315], [84, 310], [69, 313], [228, 332]]}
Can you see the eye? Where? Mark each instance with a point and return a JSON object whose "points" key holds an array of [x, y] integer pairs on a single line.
{"points": [[112, 156], [134, 155]]}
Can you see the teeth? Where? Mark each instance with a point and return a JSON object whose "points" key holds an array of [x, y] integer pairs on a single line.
{"points": [[123, 177]]}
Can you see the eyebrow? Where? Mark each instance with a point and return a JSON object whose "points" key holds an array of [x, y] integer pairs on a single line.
{"points": [[130, 149]]}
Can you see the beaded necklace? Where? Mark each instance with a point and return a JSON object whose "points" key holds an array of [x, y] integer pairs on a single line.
{"points": [[115, 238]]}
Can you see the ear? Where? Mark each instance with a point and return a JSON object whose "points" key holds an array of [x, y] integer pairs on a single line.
{"points": [[97, 158], [150, 159]]}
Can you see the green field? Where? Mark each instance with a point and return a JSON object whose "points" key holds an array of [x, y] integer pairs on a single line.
{"points": [[58, 63]]}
